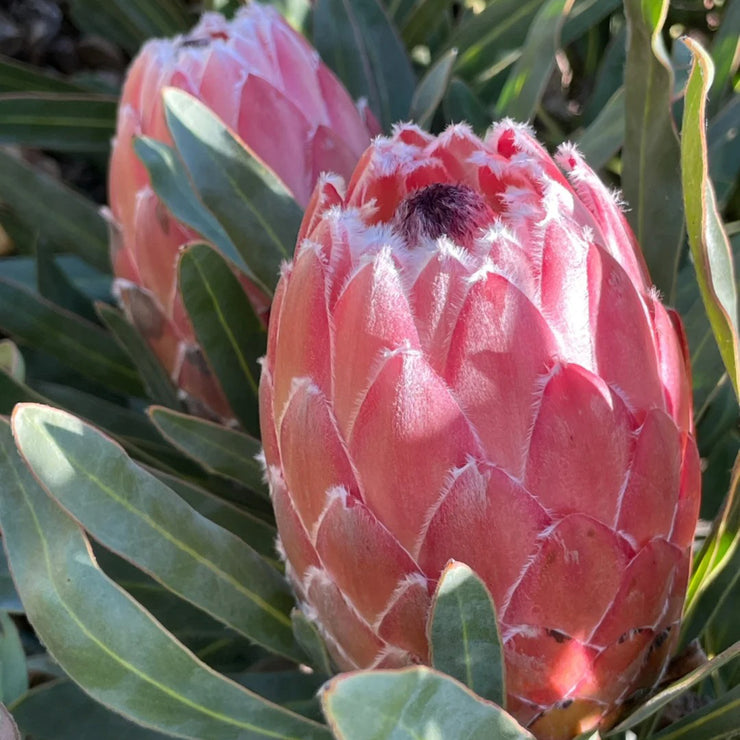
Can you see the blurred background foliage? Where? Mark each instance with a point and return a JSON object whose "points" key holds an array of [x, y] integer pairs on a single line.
{"points": [[563, 65]]}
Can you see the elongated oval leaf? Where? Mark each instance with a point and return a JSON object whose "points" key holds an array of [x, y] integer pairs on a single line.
{"points": [[8, 727], [462, 106], [309, 638], [651, 176], [432, 89], [105, 641], [228, 330], [604, 137], [80, 344], [724, 150], [170, 181], [357, 40], [218, 449], [464, 637], [13, 672], [19, 77], [527, 80], [410, 704], [132, 513], [71, 123], [11, 360], [67, 220], [710, 246], [251, 203]]}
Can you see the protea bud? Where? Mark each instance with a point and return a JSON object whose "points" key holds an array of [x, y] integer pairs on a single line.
{"points": [[466, 361], [267, 84]]}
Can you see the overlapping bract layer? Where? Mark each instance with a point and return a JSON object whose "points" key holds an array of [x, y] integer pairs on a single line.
{"points": [[466, 360], [267, 84]]}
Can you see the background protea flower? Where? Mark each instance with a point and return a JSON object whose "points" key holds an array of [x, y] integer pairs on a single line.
{"points": [[267, 83], [466, 360]]}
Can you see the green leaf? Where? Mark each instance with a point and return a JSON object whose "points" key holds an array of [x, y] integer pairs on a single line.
{"points": [[13, 673], [75, 342], [59, 710], [9, 600], [725, 55], [432, 88], [585, 15], [60, 122], [132, 513], [462, 105], [250, 202], [412, 704], [527, 80], [710, 246], [158, 384], [130, 22], [8, 727], [358, 41], [228, 330], [309, 638], [651, 173], [11, 360], [293, 690], [106, 642], [170, 181], [16, 76], [486, 39], [67, 220], [723, 144], [604, 137], [464, 639], [675, 690], [422, 22]]}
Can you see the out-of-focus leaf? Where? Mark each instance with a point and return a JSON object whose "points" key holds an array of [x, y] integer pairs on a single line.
{"points": [[651, 172], [251, 203], [464, 637], [309, 638], [8, 727], [584, 15], [170, 181], [710, 246], [13, 673], [725, 55], [64, 218], [72, 340], [461, 105], [357, 40], [291, 689], [60, 122], [412, 703], [422, 21], [484, 39], [158, 384], [527, 80], [11, 360], [675, 690], [9, 600], [603, 138], [228, 330], [23, 78], [105, 641], [609, 79], [130, 22], [132, 513], [59, 710], [218, 449], [255, 532], [723, 142], [432, 89]]}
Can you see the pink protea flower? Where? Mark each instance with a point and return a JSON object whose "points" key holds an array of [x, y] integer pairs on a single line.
{"points": [[266, 83], [466, 361]]}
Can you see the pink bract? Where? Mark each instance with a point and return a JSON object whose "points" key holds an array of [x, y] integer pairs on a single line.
{"points": [[466, 360]]}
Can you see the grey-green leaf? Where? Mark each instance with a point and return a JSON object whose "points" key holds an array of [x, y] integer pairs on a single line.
{"points": [[604, 137], [309, 638], [227, 327], [464, 638], [651, 175], [13, 672], [105, 641], [251, 203], [132, 513], [218, 449], [432, 88], [412, 704], [8, 727]]}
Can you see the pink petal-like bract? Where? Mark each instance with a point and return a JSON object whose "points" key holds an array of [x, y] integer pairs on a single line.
{"points": [[270, 87], [468, 362]]}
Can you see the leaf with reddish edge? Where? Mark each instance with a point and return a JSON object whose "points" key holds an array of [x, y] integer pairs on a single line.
{"points": [[651, 156], [464, 635], [8, 727], [412, 703], [710, 246]]}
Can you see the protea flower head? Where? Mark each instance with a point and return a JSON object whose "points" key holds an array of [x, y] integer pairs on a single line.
{"points": [[267, 84], [466, 361]]}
